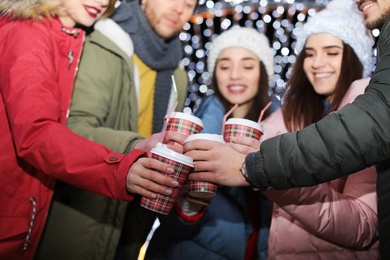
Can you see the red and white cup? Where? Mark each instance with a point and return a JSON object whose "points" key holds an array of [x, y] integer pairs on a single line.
{"points": [[182, 165], [241, 127], [185, 124], [202, 191]]}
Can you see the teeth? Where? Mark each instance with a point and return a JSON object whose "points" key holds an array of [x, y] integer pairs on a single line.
{"points": [[236, 87], [366, 7], [322, 75], [92, 10]]}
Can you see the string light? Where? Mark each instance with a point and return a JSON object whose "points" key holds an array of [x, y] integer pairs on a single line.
{"points": [[278, 19]]}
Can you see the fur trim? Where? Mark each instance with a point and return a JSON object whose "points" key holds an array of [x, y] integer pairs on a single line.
{"points": [[29, 9]]}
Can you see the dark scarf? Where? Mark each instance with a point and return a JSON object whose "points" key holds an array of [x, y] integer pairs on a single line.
{"points": [[162, 56]]}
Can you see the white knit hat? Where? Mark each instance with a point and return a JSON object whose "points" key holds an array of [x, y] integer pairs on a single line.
{"points": [[342, 19], [247, 38]]}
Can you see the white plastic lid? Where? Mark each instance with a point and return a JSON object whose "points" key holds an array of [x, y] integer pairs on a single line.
{"points": [[188, 117], [243, 121], [204, 136], [164, 151]]}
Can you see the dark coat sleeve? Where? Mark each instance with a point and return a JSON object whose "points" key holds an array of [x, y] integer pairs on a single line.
{"points": [[352, 139]]}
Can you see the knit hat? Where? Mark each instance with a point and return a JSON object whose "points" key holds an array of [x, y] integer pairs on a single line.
{"points": [[341, 19], [242, 37]]}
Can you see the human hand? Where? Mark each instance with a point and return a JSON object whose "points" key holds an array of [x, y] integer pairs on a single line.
{"points": [[148, 143], [148, 176], [215, 162], [175, 137], [244, 144]]}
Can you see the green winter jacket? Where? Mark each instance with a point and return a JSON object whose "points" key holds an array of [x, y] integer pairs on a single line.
{"points": [[355, 137], [104, 108]]}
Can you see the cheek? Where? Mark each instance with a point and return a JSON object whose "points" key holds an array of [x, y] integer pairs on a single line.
{"points": [[306, 66], [221, 77]]}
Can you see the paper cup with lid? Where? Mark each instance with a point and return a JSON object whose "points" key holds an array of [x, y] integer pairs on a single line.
{"points": [[182, 165], [202, 189]]}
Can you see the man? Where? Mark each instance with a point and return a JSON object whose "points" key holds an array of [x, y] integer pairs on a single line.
{"points": [[122, 92], [352, 139]]}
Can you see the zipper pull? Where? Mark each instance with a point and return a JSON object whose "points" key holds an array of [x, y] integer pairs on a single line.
{"points": [[70, 58]]}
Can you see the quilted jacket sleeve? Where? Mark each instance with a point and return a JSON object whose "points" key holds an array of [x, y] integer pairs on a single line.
{"points": [[352, 139]]}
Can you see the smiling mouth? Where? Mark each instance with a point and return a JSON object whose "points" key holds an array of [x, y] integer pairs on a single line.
{"points": [[364, 7], [92, 11]]}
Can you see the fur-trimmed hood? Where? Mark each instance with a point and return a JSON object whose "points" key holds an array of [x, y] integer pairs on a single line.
{"points": [[29, 9]]}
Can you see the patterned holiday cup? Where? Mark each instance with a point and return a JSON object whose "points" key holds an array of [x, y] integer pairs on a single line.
{"points": [[202, 189], [241, 127], [182, 165], [185, 124]]}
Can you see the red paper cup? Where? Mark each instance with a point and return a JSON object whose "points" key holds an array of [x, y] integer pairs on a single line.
{"points": [[182, 165], [241, 127], [185, 124], [202, 189]]}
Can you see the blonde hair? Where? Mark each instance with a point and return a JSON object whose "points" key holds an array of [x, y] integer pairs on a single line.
{"points": [[29, 9], [38, 9]]}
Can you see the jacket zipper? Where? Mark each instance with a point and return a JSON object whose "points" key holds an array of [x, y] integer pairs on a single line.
{"points": [[27, 241]]}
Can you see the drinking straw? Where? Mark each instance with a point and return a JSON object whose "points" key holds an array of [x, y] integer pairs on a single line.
{"points": [[174, 87], [167, 120], [262, 111], [170, 111], [226, 116]]}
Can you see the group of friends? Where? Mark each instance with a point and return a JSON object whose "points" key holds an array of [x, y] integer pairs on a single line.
{"points": [[81, 112]]}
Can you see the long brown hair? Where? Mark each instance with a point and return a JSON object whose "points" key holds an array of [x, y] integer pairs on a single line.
{"points": [[260, 100], [302, 106]]}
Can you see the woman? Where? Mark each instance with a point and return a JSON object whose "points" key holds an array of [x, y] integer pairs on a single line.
{"points": [[335, 220], [235, 224], [39, 54]]}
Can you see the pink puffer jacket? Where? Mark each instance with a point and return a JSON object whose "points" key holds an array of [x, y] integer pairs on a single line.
{"points": [[335, 220]]}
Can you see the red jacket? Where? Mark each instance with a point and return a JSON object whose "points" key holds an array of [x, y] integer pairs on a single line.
{"points": [[38, 63]]}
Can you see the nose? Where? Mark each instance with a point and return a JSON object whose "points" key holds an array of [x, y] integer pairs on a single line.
{"points": [[318, 61], [235, 72]]}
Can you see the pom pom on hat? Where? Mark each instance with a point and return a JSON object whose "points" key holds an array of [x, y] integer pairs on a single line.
{"points": [[342, 19], [242, 37]]}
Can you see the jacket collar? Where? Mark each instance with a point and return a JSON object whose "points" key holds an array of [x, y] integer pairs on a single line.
{"points": [[116, 34]]}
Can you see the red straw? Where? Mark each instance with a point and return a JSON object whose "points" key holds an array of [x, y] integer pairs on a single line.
{"points": [[226, 116], [262, 111]]}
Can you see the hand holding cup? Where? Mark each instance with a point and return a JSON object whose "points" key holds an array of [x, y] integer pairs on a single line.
{"points": [[215, 162], [180, 165]]}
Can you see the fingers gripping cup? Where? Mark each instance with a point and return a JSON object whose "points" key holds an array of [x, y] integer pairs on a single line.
{"points": [[185, 124], [182, 165], [241, 127], [202, 190]]}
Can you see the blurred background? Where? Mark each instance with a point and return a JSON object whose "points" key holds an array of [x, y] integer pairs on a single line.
{"points": [[278, 19]]}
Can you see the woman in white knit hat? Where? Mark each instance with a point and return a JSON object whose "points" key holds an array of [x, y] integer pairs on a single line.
{"points": [[235, 224], [335, 220]]}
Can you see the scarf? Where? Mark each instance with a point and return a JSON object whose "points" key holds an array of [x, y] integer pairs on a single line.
{"points": [[161, 56]]}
